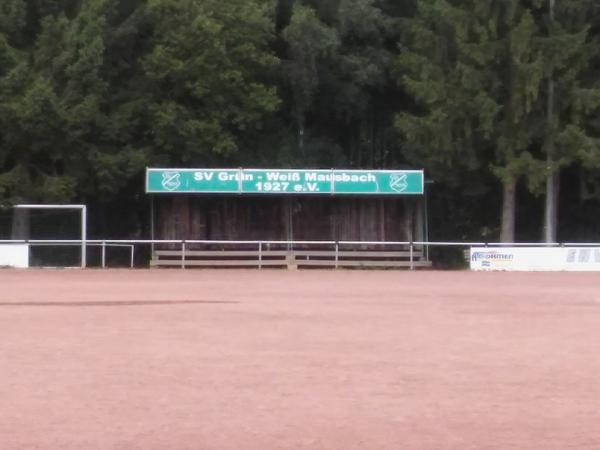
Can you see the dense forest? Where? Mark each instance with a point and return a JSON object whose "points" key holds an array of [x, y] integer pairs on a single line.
{"points": [[497, 100]]}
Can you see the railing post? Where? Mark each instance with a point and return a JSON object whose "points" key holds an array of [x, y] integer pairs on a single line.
{"points": [[260, 254], [104, 254], [337, 251], [183, 254], [83, 237], [132, 256], [412, 263]]}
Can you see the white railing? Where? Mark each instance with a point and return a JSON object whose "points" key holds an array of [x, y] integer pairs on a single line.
{"points": [[261, 244]]}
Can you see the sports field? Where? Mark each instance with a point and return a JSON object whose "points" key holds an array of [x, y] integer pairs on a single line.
{"points": [[202, 359]]}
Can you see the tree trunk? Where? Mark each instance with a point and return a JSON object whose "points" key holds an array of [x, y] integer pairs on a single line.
{"points": [[507, 233], [301, 137], [20, 224], [552, 179], [551, 209]]}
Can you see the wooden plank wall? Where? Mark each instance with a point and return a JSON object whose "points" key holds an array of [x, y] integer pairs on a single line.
{"points": [[285, 218]]}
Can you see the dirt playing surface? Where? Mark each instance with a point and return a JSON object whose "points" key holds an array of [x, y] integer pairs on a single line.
{"points": [[170, 359]]}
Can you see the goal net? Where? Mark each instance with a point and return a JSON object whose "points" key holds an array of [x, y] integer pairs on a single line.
{"points": [[34, 223]]}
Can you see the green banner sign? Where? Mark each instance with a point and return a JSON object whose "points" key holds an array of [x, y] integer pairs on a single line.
{"points": [[288, 181]]}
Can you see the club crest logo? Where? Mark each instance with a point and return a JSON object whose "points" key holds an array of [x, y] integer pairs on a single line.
{"points": [[398, 182], [171, 180]]}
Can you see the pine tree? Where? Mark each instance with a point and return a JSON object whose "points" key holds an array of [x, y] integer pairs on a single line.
{"points": [[474, 71], [571, 96]]}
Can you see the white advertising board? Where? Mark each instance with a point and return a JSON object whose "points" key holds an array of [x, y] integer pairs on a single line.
{"points": [[14, 255], [554, 259]]}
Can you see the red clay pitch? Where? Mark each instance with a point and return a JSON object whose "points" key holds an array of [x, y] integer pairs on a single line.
{"points": [[170, 359]]}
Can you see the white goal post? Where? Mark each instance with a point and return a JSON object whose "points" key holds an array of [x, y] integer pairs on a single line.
{"points": [[81, 208]]}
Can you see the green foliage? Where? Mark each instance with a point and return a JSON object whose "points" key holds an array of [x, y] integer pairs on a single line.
{"points": [[204, 70], [475, 75], [99, 89], [336, 62], [92, 92], [309, 41], [478, 72]]}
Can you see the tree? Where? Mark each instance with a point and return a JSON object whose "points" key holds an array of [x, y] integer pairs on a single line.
{"points": [[308, 40], [571, 95], [474, 71], [337, 56], [204, 76], [91, 92]]}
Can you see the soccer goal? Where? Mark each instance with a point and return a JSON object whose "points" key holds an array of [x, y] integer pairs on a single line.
{"points": [[21, 227]]}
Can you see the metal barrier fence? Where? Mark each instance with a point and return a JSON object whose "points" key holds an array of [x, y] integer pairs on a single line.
{"points": [[103, 244], [261, 245]]}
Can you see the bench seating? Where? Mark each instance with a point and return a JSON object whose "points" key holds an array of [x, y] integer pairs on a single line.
{"points": [[289, 258]]}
